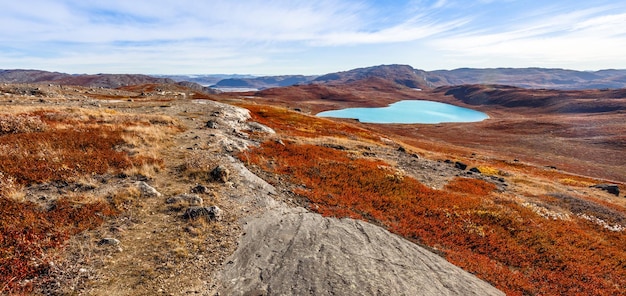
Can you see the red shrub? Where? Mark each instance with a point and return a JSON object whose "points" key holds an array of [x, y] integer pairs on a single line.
{"points": [[58, 154], [498, 240], [27, 232], [298, 124], [470, 186]]}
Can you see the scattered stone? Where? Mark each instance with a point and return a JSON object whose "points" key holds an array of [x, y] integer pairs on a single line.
{"points": [[192, 199], [447, 161], [401, 149], [220, 173], [475, 170], [200, 189], [211, 124], [109, 241], [335, 146], [212, 213], [414, 155], [140, 177], [147, 190], [610, 188], [459, 165]]}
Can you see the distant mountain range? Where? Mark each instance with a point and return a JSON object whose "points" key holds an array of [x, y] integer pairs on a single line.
{"points": [[402, 75], [96, 80], [206, 79], [531, 78], [537, 78]]}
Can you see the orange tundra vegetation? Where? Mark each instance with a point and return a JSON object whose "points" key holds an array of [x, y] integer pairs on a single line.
{"points": [[27, 232], [61, 147], [45, 146], [497, 239], [301, 125]]}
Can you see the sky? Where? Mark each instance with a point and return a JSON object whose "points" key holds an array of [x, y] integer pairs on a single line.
{"points": [[275, 37]]}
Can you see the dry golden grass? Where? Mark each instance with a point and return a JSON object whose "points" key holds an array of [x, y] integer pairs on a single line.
{"points": [[80, 141], [490, 171], [196, 166], [68, 145], [575, 182]]}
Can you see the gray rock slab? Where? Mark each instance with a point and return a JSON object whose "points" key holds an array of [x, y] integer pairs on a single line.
{"points": [[289, 251]]}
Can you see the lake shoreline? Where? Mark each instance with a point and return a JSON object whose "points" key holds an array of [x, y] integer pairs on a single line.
{"points": [[409, 112]]}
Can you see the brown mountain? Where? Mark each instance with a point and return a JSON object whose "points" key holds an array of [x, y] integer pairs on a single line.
{"points": [[400, 74], [546, 100], [530, 78], [97, 80], [263, 82], [404, 75]]}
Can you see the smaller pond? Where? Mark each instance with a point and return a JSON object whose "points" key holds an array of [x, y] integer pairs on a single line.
{"points": [[413, 111]]}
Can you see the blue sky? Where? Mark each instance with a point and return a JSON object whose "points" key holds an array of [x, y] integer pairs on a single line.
{"points": [[308, 37]]}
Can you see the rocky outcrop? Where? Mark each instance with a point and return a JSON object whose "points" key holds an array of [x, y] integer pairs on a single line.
{"points": [[610, 188], [289, 251]]}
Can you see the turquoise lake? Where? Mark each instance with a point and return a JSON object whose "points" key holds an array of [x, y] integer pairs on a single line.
{"points": [[409, 112]]}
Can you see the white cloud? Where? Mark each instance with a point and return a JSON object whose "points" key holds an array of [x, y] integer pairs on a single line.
{"points": [[411, 30], [188, 36], [107, 21], [583, 38]]}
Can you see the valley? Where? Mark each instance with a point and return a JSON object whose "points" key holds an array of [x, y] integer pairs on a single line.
{"points": [[308, 204]]}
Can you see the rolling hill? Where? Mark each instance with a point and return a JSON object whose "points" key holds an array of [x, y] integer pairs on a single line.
{"points": [[158, 188]]}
